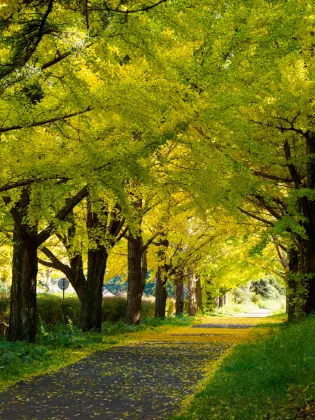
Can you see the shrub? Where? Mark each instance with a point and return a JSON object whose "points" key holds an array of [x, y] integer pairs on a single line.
{"points": [[266, 288], [241, 294], [4, 307], [148, 307], [114, 308], [12, 354], [53, 310], [256, 299]]}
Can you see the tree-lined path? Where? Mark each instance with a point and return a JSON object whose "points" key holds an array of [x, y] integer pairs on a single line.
{"points": [[148, 379]]}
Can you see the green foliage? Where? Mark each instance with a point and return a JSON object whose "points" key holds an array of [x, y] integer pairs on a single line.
{"points": [[53, 310], [20, 353], [266, 288], [272, 378], [241, 294], [4, 307]]}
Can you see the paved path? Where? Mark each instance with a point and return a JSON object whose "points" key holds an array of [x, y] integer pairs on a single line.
{"points": [[259, 313], [146, 380]]}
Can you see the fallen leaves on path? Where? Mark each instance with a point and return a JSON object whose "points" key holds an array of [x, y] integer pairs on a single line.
{"points": [[147, 379]]}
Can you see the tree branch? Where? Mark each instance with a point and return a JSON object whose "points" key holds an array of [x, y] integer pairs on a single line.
{"points": [[62, 214], [268, 207], [43, 122], [55, 262], [127, 12], [149, 242], [292, 169], [272, 177], [247, 213]]}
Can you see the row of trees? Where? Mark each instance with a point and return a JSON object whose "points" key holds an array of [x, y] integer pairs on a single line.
{"points": [[185, 130]]}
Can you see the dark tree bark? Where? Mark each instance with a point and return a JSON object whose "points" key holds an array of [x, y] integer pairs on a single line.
{"points": [[101, 229], [199, 294], [192, 300], [91, 315], [91, 306], [22, 324], [309, 306], [161, 279], [144, 268], [179, 292], [135, 280], [27, 240], [160, 293], [220, 301], [291, 293]]}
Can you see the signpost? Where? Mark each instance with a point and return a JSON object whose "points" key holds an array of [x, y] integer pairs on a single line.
{"points": [[63, 284]]}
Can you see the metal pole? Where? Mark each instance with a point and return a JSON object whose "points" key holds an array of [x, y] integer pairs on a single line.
{"points": [[63, 289]]}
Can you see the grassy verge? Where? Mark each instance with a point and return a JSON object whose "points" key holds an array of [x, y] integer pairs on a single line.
{"points": [[65, 344], [271, 378]]}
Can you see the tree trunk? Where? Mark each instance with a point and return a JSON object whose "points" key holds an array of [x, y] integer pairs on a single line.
{"points": [[160, 293], [309, 212], [161, 279], [308, 284], [91, 306], [291, 292], [199, 294], [192, 301], [226, 298], [210, 298], [179, 293], [221, 302], [135, 280], [144, 269], [22, 324], [48, 279]]}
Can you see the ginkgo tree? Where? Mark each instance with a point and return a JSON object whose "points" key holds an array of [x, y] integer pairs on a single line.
{"points": [[255, 68], [68, 121]]}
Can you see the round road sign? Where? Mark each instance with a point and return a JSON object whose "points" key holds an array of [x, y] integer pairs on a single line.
{"points": [[63, 284]]}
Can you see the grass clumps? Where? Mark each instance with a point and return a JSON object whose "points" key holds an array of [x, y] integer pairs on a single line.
{"points": [[272, 378]]}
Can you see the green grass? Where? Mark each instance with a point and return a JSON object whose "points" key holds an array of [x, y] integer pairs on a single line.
{"points": [[272, 378], [61, 345]]}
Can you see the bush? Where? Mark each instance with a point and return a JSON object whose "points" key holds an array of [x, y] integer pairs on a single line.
{"points": [[12, 354], [266, 288], [4, 307], [256, 299], [53, 310], [148, 307], [241, 294], [114, 308]]}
